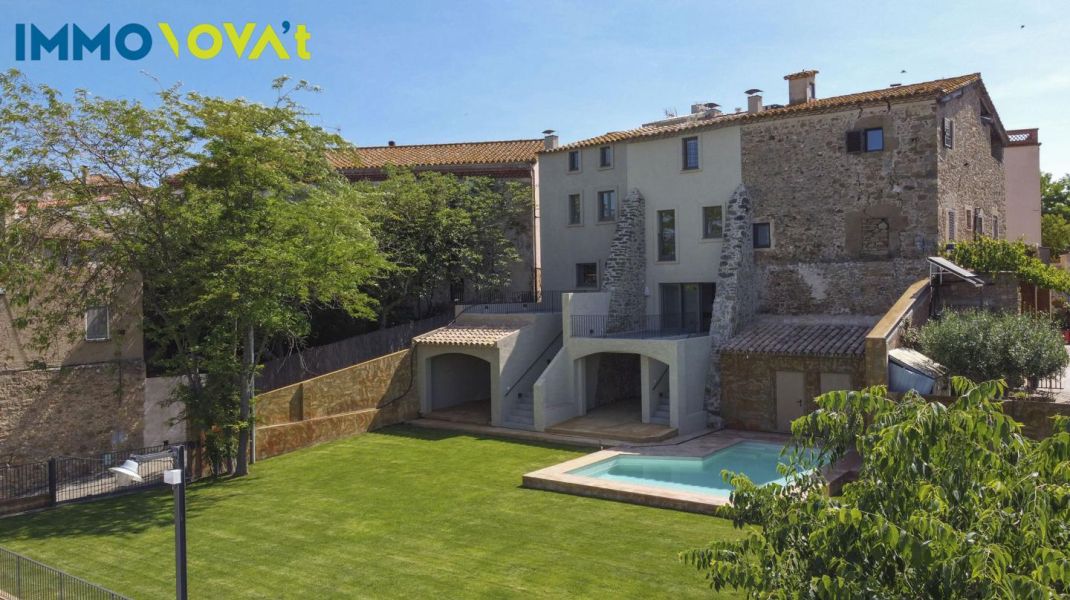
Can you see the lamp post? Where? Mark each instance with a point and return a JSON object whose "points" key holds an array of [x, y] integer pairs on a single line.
{"points": [[129, 472]]}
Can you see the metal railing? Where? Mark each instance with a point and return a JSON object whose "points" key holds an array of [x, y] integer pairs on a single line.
{"points": [[23, 578], [505, 301], [643, 327]]}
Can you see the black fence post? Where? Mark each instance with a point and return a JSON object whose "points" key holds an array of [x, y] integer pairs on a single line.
{"points": [[53, 482]]}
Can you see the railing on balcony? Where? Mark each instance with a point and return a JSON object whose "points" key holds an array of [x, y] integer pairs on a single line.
{"points": [[644, 327], [509, 301]]}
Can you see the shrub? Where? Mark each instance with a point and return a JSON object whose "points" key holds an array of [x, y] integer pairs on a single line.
{"points": [[987, 255], [984, 345]]}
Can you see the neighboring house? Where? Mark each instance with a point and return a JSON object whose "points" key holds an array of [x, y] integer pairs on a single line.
{"points": [[1022, 162], [508, 160], [728, 267]]}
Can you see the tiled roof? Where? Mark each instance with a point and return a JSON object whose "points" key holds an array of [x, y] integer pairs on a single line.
{"points": [[465, 335], [800, 337], [464, 153], [900, 93]]}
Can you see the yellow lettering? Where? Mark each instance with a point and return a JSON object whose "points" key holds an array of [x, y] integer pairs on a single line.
{"points": [[269, 37], [239, 42], [169, 35], [302, 35], [194, 36]]}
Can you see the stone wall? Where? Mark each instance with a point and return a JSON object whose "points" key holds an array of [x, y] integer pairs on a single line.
{"points": [[970, 176], [850, 230], [625, 272], [77, 411], [1035, 416], [735, 302], [619, 378], [748, 382], [353, 400], [1000, 293]]}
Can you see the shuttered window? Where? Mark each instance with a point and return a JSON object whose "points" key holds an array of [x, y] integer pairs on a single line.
{"points": [[96, 323], [949, 133]]}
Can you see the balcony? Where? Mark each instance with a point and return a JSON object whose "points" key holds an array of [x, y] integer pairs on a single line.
{"points": [[502, 302], [639, 328]]}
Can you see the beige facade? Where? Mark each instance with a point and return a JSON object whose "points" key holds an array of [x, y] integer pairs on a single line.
{"points": [[1021, 161]]}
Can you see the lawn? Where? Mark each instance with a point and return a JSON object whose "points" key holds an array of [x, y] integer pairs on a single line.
{"points": [[400, 513]]}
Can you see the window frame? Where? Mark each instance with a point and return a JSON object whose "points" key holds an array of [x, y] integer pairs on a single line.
{"points": [[579, 286], [658, 236], [865, 139], [568, 208], [754, 237], [948, 133], [698, 154], [720, 236], [600, 216], [579, 161], [107, 323], [602, 152]]}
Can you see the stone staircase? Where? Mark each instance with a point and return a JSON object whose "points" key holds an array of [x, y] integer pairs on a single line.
{"points": [[660, 411], [521, 414]]}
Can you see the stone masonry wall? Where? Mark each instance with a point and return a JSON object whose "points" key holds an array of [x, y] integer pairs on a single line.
{"points": [[76, 411], [353, 400], [735, 303], [625, 272], [850, 230], [970, 177]]}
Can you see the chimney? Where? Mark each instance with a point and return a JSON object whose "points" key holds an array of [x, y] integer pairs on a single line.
{"points": [[391, 143], [754, 100], [549, 140], [801, 87]]}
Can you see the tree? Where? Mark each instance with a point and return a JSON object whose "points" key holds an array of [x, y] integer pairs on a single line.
{"points": [[986, 345], [1055, 233], [1055, 195], [950, 502], [991, 256], [441, 230], [228, 210]]}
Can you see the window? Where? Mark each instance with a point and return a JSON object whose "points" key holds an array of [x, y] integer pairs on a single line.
{"points": [[607, 205], [96, 323], [978, 223], [866, 140], [969, 219], [690, 149], [605, 157], [686, 305], [575, 209], [666, 235], [763, 235], [949, 133], [951, 225], [587, 275], [574, 160], [712, 222], [995, 227]]}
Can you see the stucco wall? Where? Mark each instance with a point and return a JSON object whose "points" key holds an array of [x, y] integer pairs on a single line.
{"points": [[162, 417], [820, 199], [353, 400], [749, 385], [1022, 168], [76, 411]]}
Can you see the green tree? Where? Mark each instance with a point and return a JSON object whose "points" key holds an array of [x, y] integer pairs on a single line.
{"points": [[227, 209], [1055, 195], [950, 502], [1055, 233], [985, 345], [440, 230]]}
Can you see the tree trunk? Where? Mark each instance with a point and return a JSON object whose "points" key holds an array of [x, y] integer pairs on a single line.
{"points": [[248, 369]]}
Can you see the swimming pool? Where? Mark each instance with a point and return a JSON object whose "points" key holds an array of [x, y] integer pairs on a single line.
{"points": [[757, 460]]}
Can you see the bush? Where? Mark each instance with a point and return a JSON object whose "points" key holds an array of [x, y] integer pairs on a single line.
{"points": [[985, 345], [987, 255]]}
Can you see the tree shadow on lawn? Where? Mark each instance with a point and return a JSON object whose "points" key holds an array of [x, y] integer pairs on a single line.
{"points": [[427, 434], [127, 514]]}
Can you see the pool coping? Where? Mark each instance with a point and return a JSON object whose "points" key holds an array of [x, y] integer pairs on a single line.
{"points": [[557, 478]]}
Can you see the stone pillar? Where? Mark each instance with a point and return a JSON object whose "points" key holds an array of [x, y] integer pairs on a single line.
{"points": [[734, 305], [625, 272]]}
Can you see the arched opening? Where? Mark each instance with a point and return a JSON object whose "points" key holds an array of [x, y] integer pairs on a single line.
{"points": [[460, 388]]}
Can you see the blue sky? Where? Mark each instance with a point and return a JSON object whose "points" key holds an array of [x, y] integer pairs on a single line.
{"points": [[420, 72]]}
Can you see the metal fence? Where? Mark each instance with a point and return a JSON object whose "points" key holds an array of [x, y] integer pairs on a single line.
{"points": [[506, 301], [23, 578], [324, 359], [643, 327], [64, 479]]}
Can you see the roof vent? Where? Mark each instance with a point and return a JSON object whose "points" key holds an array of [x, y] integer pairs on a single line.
{"points": [[895, 85], [391, 143]]}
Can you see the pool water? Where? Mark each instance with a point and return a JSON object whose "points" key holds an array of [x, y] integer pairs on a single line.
{"points": [[757, 460]]}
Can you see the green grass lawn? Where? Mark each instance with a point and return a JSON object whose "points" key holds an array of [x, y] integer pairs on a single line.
{"points": [[400, 513]]}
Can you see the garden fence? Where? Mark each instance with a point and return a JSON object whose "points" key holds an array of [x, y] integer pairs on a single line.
{"points": [[23, 578]]}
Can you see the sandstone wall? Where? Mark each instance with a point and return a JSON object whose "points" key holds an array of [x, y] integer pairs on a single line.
{"points": [[850, 230], [74, 411], [353, 400]]}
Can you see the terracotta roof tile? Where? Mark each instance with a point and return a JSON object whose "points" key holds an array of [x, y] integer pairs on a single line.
{"points": [[791, 336], [464, 153], [465, 335], [901, 93]]}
